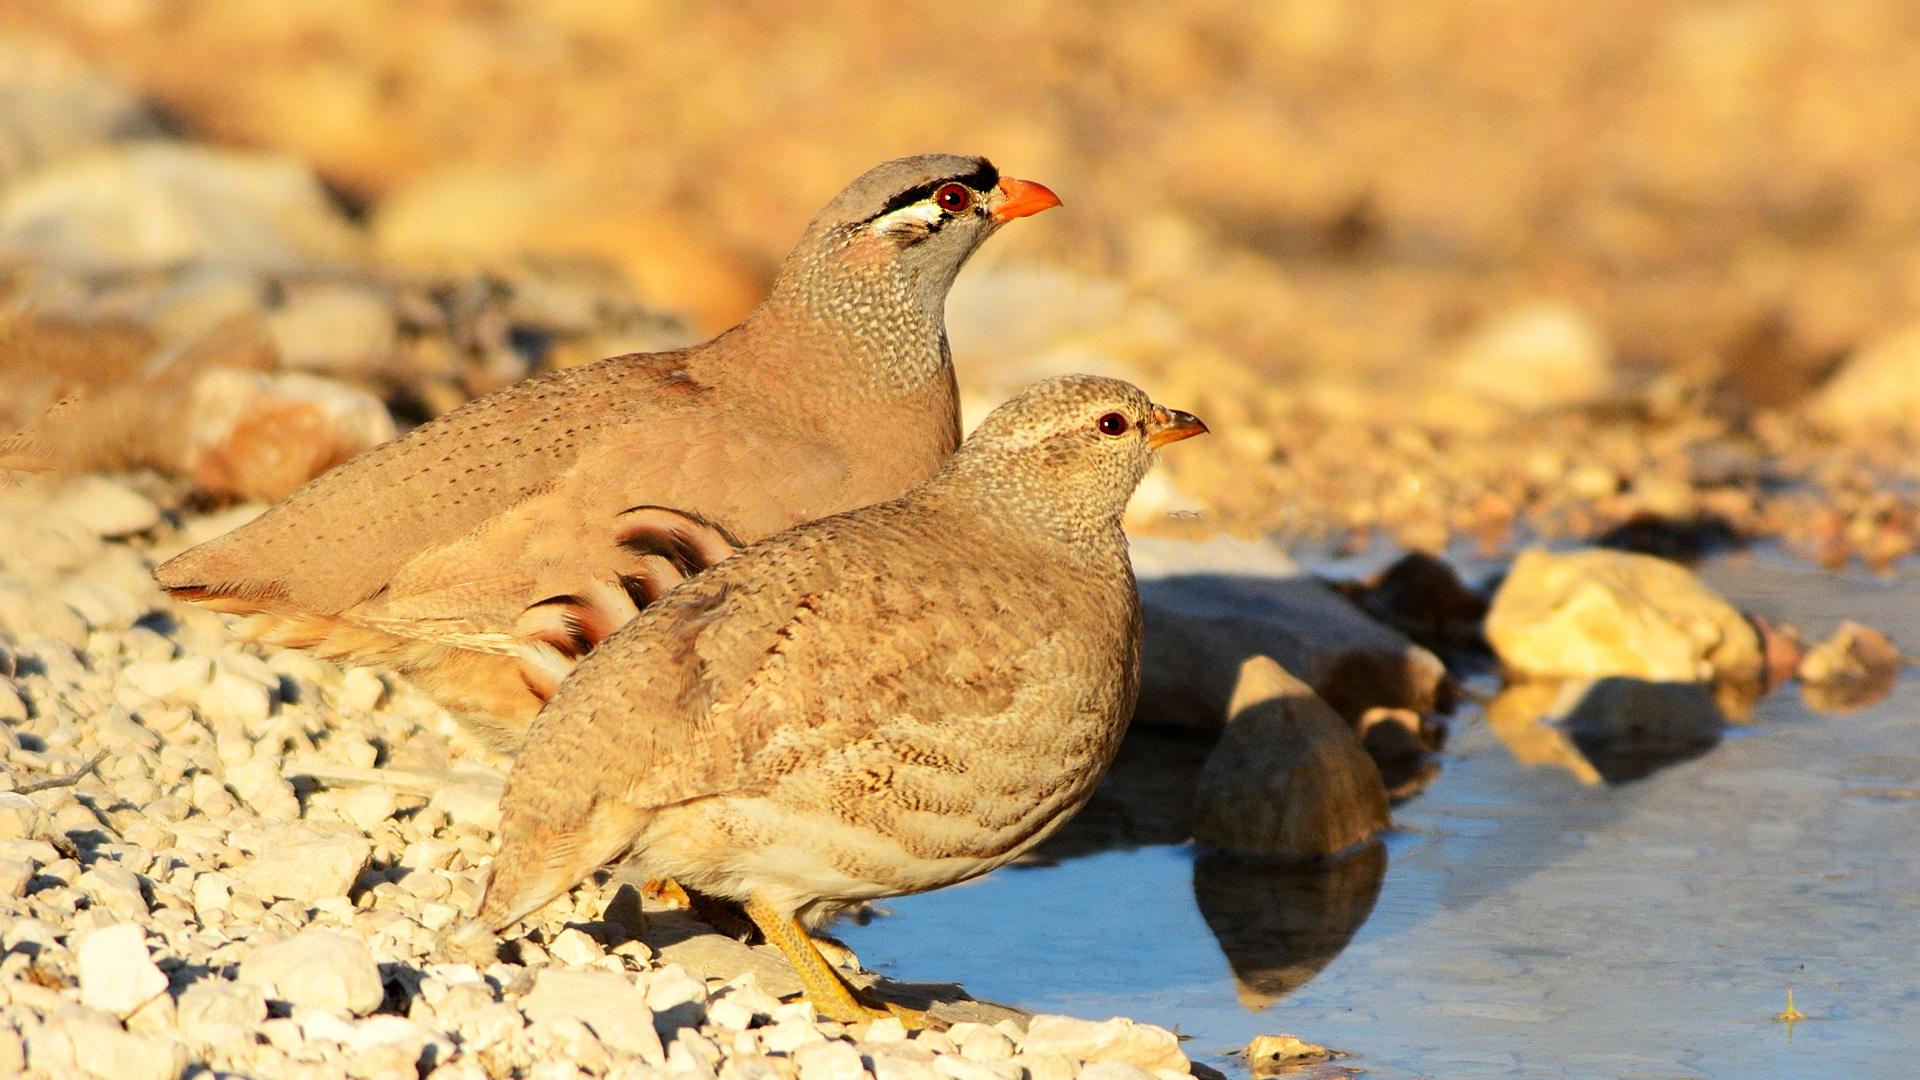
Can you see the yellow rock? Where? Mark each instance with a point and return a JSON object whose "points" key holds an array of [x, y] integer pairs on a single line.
{"points": [[1590, 614]]}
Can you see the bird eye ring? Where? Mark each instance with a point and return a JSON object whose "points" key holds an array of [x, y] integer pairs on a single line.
{"points": [[953, 198], [1113, 424]]}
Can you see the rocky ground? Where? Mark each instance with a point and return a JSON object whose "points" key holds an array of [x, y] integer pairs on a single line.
{"points": [[222, 860]]}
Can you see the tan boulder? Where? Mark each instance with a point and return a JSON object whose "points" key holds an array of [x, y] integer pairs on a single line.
{"points": [[1595, 613], [1200, 628], [1288, 776]]}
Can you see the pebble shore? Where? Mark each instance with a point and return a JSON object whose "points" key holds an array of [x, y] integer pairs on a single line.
{"points": [[250, 873]]}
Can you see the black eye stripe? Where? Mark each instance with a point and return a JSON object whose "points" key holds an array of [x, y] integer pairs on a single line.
{"points": [[984, 178]]}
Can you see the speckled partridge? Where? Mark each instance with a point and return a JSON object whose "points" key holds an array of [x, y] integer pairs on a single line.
{"points": [[483, 552], [884, 702]]}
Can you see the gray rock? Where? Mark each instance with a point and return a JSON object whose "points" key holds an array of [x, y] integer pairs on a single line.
{"points": [[318, 969], [116, 974], [608, 1003], [308, 861], [1288, 777], [1201, 627]]}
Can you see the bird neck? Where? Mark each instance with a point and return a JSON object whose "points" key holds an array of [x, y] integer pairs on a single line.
{"points": [[1025, 508], [883, 325]]}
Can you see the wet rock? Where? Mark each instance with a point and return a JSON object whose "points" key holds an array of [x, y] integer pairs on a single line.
{"points": [[1119, 1039], [164, 204], [1424, 598], [1535, 358], [1878, 386], [1403, 746], [1598, 613], [1288, 777], [1851, 670], [318, 969], [1268, 1055], [608, 1003], [1280, 923], [1201, 628], [308, 861], [116, 974]]}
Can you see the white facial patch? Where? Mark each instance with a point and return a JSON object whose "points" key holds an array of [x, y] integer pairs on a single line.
{"points": [[908, 221]]}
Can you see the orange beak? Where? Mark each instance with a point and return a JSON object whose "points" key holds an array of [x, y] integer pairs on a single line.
{"points": [[1172, 425], [1023, 197]]}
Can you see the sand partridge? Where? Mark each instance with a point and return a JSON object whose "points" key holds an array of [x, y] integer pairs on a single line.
{"points": [[483, 552], [887, 701]]}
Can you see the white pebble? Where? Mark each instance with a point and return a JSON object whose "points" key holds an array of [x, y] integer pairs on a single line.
{"points": [[361, 690], [116, 974], [259, 783], [173, 680], [369, 806], [318, 969], [106, 508], [829, 1061], [230, 699], [572, 946]]}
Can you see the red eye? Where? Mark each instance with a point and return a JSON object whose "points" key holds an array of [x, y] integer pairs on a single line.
{"points": [[953, 198], [1113, 424]]}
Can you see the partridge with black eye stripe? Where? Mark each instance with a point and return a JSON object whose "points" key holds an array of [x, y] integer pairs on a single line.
{"points": [[887, 701], [484, 552]]}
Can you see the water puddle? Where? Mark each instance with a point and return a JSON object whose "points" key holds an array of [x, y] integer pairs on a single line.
{"points": [[1519, 922]]}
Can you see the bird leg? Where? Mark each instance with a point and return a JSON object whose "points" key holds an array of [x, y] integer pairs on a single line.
{"points": [[830, 994]]}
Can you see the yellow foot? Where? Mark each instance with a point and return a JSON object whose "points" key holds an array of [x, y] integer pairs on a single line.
{"points": [[830, 994], [666, 891]]}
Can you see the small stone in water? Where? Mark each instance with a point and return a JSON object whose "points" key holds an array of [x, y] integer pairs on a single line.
{"points": [[1284, 1049]]}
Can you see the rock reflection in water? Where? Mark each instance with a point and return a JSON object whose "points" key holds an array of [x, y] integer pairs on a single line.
{"points": [[1280, 923], [1614, 729]]}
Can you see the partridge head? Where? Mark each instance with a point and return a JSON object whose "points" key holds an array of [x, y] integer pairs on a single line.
{"points": [[886, 701], [482, 553]]}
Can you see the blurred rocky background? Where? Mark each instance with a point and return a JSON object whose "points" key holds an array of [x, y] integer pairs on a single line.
{"points": [[1433, 270]]}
